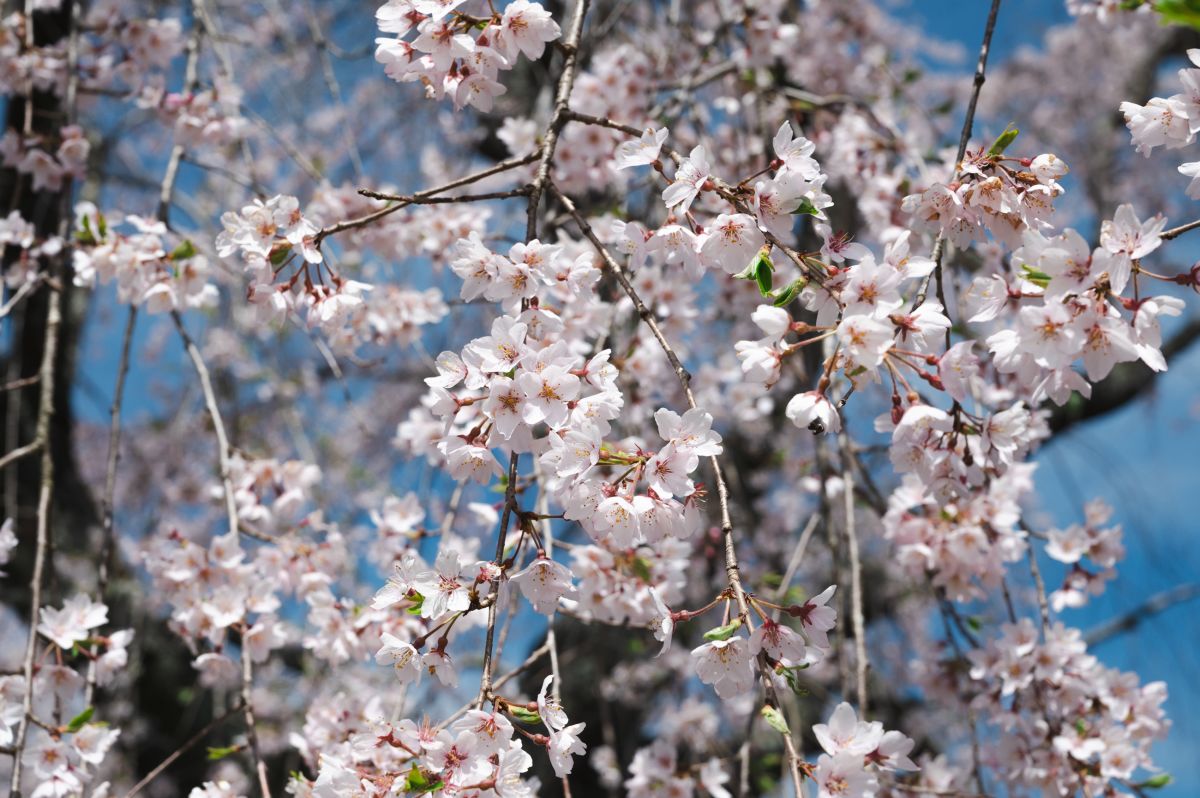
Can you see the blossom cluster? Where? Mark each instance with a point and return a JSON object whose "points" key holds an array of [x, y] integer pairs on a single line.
{"points": [[48, 163], [1101, 545], [268, 235], [1170, 122], [730, 297], [66, 748], [989, 195], [478, 753], [146, 268], [460, 47], [1067, 722], [117, 51], [204, 117]]}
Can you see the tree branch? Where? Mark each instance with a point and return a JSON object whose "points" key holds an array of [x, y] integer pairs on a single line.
{"points": [[1159, 602], [731, 561]]}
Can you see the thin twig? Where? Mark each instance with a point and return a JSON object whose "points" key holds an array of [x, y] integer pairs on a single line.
{"points": [[794, 561], [856, 597], [1040, 586], [545, 157], [23, 382], [18, 295], [542, 507], [374, 216], [42, 437], [210, 399], [183, 749], [533, 657], [1175, 232], [964, 137], [335, 88], [732, 571], [20, 452], [110, 486], [1157, 603], [214, 413], [416, 199]]}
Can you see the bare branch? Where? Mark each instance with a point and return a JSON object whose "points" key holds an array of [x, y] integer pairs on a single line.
{"points": [[1175, 232], [42, 439], [183, 749], [1159, 602], [545, 158], [731, 561], [108, 529], [964, 137], [19, 453]]}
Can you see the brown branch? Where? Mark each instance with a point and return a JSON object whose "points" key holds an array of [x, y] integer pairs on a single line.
{"points": [[110, 485], [416, 199], [42, 438], [374, 216], [1175, 232], [559, 119], [545, 157], [965, 136], [19, 453], [19, 383], [731, 561], [1152, 606], [183, 749]]}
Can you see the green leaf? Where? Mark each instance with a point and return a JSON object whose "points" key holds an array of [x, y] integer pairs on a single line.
{"points": [[83, 717], [102, 224], [775, 720], [785, 295], [807, 207], [221, 752], [524, 715], [723, 632], [1155, 782], [184, 251], [974, 622], [1002, 141], [641, 568], [85, 235], [279, 255], [764, 277], [419, 782], [791, 675], [418, 602], [1038, 278], [1179, 12]]}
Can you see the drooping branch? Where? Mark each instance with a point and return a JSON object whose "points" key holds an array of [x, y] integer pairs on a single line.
{"points": [[964, 137], [108, 528], [545, 159], [42, 542], [374, 216], [1159, 602], [732, 569]]}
